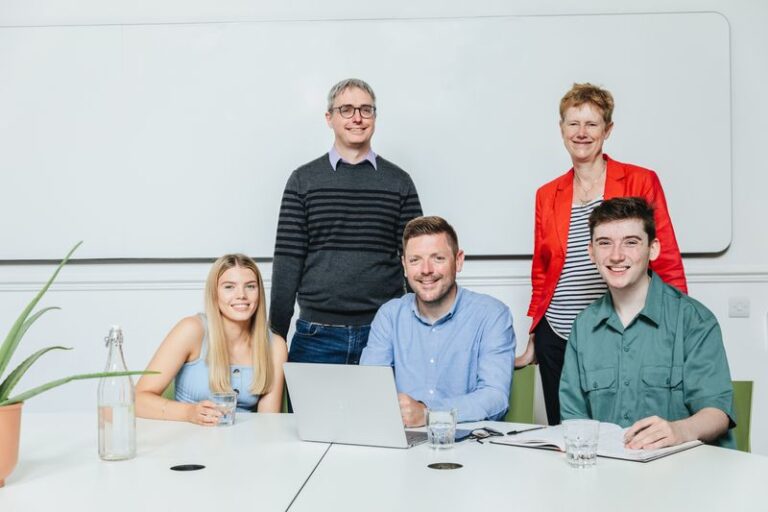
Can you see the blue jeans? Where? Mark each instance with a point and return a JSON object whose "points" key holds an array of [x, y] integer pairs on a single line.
{"points": [[319, 343]]}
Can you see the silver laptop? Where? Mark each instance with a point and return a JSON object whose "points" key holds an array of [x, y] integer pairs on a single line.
{"points": [[348, 404]]}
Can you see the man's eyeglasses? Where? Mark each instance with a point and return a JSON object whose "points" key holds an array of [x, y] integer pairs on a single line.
{"points": [[348, 111], [479, 434]]}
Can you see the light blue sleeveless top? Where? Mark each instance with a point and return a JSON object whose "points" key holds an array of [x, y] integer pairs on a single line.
{"points": [[192, 380]]}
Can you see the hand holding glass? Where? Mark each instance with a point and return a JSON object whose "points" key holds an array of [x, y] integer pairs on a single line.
{"points": [[226, 404]]}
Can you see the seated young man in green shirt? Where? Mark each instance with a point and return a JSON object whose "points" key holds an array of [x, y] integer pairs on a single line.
{"points": [[645, 355]]}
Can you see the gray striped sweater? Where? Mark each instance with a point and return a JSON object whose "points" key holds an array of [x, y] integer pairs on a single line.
{"points": [[338, 243]]}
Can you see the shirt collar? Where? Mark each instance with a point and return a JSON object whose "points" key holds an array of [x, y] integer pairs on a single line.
{"points": [[335, 158], [651, 310], [605, 310], [442, 319]]}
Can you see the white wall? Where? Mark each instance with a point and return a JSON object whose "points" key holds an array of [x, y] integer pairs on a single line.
{"points": [[147, 298], [187, 103]]}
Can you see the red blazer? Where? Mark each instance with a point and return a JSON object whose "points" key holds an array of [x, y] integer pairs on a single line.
{"points": [[553, 216]]}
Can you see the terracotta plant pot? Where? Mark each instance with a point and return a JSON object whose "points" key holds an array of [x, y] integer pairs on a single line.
{"points": [[10, 423]]}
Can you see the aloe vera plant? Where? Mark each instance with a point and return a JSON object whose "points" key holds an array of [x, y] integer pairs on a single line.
{"points": [[12, 340]]}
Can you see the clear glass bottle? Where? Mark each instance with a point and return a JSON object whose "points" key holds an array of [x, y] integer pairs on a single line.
{"points": [[117, 419]]}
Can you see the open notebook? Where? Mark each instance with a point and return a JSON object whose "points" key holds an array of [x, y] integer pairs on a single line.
{"points": [[610, 444]]}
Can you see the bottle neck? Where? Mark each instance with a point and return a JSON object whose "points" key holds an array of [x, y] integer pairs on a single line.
{"points": [[115, 359]]}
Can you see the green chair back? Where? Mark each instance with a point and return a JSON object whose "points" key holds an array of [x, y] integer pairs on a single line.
{"points": [[742, 408], [284, 409], [521, 396], [170, 391]]}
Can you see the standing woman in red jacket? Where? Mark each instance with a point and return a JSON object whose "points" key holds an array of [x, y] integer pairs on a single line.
{"points": [[564, 279]]}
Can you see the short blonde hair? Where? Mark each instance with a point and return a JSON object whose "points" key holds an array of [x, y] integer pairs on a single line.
{"points": [[218, 351], [586, 93]]}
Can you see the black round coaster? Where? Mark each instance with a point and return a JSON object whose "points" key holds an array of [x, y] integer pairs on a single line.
{"points": [[445, 465], [187, 467]]}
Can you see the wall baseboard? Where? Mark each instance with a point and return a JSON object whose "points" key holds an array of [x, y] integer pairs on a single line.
{"points": [[31, 280]]}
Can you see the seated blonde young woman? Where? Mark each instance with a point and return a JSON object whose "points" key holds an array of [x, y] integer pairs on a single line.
{"points": [[226, 349]]}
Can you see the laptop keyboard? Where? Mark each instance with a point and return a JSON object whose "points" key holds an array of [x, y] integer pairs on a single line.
{"points": [[413, 438]]}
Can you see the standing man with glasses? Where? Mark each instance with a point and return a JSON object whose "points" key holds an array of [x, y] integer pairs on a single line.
{"points": [[339, 236]]}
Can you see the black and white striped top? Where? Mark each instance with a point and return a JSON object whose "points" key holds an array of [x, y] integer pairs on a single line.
{"points": [[580, 283]]}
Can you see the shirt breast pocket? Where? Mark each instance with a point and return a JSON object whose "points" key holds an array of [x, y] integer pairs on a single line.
{"points": [[599, 386], [662, 386]]}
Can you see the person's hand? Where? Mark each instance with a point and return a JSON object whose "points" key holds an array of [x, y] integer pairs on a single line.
{"points": [[653, 432], [527, 357], [413, 412], [204, 413]]}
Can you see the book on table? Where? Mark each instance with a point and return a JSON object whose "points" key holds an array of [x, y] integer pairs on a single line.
{"points": [[610, 443]]}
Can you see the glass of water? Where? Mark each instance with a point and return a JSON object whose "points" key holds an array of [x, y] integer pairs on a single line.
{"points": [[441, 428], [581, 437], [226, 403]]}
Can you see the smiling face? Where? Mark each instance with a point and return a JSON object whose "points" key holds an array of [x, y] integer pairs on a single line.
{"points": [[584, 131], [431, 267], [354, 133], [621, 251], [237, 294]]}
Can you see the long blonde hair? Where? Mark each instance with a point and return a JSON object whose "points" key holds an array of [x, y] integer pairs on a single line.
{"points": [[218, 351]]}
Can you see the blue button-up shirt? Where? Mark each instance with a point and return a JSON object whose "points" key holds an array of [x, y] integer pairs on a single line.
{"points": [[463, 360]]}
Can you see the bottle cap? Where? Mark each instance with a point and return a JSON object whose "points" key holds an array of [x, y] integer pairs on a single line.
{"points": [[115, 335]]}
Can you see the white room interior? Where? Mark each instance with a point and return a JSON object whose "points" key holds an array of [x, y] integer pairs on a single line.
{"points": [[147, 296]]}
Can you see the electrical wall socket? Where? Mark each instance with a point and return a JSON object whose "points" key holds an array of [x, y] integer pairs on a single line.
{"points": [[738, 307]]}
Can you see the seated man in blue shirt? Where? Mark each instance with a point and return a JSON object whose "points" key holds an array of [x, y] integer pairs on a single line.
{"points": [[450, 347], [644, 356]]}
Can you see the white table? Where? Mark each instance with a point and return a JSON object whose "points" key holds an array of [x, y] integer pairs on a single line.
{"points": [[495, 478], [258, 461], [260, 464]]}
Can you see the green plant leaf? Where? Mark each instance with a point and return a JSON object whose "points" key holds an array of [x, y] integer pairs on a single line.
{"points": [[18, 329], [29, 321], [55, 383], [13, 378]]}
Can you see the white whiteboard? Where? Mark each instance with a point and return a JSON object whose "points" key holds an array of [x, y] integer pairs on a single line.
{"points": [[175, 140]]}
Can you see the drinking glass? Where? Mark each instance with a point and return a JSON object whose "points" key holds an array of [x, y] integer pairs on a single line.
{"points": [[226, 403], [441, 428], [581, 437]]}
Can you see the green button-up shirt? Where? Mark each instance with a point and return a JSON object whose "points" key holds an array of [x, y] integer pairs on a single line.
{"points": [[669, 362]]}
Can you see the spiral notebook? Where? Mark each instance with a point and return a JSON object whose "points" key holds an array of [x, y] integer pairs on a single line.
{"points": [[610, 444]]}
